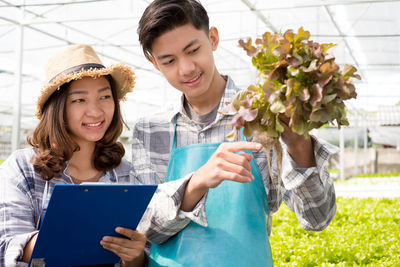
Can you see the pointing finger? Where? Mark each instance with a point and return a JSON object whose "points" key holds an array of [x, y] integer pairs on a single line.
{"points": [[247, 156], [241, 146]]}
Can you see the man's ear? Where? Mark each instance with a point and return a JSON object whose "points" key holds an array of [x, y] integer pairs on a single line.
{"points": [[214, 38], [153, 61]]}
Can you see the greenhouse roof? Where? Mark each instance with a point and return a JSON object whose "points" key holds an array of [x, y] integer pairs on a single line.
{"points": [[367, 34]]}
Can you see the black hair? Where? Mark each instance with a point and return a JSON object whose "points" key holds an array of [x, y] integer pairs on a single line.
{"points": [[164, 15]]}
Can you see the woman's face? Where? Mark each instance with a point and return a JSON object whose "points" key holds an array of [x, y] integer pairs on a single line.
{"points": [[89, 109]]}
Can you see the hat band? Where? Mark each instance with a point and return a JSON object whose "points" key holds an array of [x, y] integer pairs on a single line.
{"points": [[78, 68]]}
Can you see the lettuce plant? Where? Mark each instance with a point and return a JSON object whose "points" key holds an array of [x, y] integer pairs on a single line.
{"points": [[364, 232], [297, 78]]}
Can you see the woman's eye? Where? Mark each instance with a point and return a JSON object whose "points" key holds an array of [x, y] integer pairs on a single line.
{"points": [[106, 97], [79, 100]]}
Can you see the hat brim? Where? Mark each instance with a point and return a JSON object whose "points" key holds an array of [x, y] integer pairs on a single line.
{"points": [[123, 76]]}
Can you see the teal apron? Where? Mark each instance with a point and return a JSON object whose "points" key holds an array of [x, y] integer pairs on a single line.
{"points": [[236, 213]]}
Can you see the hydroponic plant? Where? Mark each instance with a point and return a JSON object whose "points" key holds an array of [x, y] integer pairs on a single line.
{"points": [[298, 79]]}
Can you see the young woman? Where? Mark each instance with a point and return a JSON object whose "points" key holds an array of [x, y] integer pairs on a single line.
{"points": [[74, 142]]}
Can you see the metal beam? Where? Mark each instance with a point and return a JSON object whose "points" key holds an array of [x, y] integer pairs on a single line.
{"points": [[9, 72], [260, 15], [350, 50], [330, 3], [318, 4], [330, 36], [81, 20], [58, 3], [24, 114], [70, 42], [333, 20], [358, 35], [19, 50], [81, 32]]}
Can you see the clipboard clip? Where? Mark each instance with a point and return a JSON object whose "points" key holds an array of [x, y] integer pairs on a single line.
{"points": [[38, 262]]}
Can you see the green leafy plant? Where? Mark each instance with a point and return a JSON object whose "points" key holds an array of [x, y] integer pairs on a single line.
{"points": [[299, 80], [364, 232], [386, 174]]}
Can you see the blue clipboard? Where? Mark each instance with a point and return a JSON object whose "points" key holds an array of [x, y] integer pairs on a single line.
{"points": [[77, 218]]}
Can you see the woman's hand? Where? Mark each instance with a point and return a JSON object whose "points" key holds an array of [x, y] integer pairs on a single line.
{"points": [[130, 249], [29, 248]]}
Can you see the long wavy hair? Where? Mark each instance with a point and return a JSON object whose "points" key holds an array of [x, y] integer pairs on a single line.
{"points": [[54, 144]]}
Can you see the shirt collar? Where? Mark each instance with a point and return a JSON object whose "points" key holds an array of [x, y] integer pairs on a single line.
{"points": [[229, 93], [107, 176]]}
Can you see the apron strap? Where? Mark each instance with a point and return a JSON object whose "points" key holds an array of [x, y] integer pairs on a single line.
{"points": [[242, 137], [174, 138]]}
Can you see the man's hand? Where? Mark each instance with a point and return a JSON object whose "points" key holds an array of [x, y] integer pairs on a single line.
{"points": [[130, 249], [224, 164], [299, 147]]}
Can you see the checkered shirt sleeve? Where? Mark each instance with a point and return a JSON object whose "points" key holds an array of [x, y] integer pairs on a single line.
{"points": [[309, 192]]}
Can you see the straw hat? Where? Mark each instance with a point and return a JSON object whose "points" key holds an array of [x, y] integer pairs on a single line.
{"points": [[77, 61]]}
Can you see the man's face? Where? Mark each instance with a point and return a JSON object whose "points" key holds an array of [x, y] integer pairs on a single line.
{"points": [[184, 56]]}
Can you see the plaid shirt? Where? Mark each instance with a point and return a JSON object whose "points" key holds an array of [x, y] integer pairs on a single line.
{"points": [[307, 191], [24, 197]]}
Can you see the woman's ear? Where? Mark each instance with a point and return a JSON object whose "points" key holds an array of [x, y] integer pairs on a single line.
{"points": [[214, 38]]}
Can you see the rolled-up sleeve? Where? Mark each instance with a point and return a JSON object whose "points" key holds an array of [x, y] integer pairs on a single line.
{"points": [[309, 192], [17, 217], [164, 218]]}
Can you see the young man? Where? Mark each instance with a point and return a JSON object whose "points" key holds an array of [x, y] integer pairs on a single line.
{"points": [[213, 206]]}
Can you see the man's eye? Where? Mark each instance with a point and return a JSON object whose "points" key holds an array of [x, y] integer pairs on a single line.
{"points": [[194, 50], [167, 62]]}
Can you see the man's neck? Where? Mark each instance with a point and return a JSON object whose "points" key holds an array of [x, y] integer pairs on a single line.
{"points": [[205, 105]]}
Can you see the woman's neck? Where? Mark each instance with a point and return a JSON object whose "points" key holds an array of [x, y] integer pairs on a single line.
{"points": [[81, 166]]}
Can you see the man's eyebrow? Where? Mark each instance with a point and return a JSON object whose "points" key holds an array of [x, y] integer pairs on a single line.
{"points": [[186, 47], [190, 44], [163, 56]]}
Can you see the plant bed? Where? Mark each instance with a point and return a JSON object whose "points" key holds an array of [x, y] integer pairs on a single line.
{"points": [[364, 232]]}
